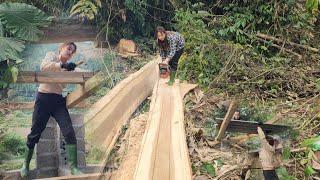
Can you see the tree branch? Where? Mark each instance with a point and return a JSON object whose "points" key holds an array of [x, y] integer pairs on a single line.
{"points": [[268, 37]]}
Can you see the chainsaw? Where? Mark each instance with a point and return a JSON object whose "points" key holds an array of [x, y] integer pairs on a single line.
{"points": [[164, 70], [250, 127]]}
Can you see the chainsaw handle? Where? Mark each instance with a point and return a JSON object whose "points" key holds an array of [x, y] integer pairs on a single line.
{"points": [[164, 66]]}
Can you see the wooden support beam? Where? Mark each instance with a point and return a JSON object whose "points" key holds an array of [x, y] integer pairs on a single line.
{"points": [[84, 90], [226, 120], [53, 77], [89, 82]]}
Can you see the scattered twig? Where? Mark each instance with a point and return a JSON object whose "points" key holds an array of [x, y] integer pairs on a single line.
{"points": [[277, 117], [297, 150], [226, 171], [227, 119], [279, 47], [224, 70], [268, 37], [316, 178], [236, 146]]}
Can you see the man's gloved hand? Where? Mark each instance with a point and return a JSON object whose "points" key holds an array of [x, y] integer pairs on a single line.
{"points": [[68, 66], [268, 157]]}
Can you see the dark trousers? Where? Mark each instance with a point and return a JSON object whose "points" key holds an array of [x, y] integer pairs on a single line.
{"points": [[46, 105], [270, 175], [175, 60]]}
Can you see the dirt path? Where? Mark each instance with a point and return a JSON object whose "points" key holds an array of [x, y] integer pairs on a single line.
{"points": [[23, 132]]}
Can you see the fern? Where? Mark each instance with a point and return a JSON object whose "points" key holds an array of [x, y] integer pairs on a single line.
{"points": [[86, 9], [10, 74], [23, 21]]}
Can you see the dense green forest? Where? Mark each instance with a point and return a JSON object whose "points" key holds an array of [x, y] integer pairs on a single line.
{"points": [[229, 38], [264, 51]]}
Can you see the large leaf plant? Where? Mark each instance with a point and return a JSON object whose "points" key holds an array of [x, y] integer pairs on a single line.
{"points": [[19, 23]]}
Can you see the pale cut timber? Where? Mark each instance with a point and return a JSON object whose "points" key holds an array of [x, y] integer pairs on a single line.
{"points": [[226, 120], [164, 152], [84, 90], [146, 157], [162, 149], [99, 105], [185, 88], [110, 113], [181, 168], [53, 77], [95, 176]]}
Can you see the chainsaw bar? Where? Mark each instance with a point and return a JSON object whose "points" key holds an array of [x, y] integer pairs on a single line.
{"points": [[251, 127]]}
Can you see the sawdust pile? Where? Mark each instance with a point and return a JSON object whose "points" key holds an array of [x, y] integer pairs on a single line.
{"points": [[128, 153]]}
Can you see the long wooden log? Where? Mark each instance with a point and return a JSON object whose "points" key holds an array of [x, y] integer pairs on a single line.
{"points": [[164, 152], [53, 77], [144, 164], [105, 120], [179, 158]]}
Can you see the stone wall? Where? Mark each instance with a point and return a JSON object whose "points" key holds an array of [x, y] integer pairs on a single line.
{"points": [[51, 157]]}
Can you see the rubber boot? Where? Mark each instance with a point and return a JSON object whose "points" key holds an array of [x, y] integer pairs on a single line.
{"points": [[24, 172], [172, 78], [72, 158], [315, 147]]}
